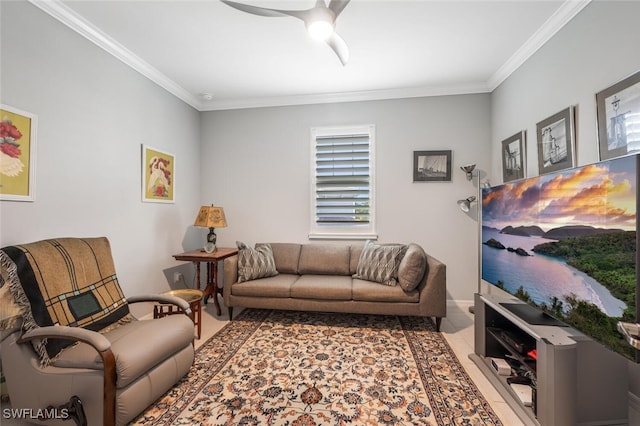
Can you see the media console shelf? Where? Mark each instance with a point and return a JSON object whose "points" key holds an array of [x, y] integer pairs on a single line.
{"points": [[576, 380]]}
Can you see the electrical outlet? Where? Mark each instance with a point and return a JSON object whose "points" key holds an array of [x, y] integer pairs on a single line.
{"points": [[177, 277]]}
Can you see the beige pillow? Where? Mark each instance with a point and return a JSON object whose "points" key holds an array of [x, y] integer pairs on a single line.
{"points": [[255, 263], [413, 267], [379, 263]]}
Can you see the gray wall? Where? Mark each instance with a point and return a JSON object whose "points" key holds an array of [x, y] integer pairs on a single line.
{"points": [[94, 113], [599, 47], [257, 162]]}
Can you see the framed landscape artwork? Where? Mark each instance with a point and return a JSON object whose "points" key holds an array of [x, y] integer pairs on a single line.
{"points": [[513, 160], [432, 166], [556, 142], [17, 154], [158, 173], [618, 109]]}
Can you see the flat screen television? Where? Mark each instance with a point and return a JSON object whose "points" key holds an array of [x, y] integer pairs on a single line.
{"points": [[565, 243]]}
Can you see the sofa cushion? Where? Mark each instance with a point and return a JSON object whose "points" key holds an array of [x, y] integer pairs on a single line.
{"points": [[356, 251], [255, 263], [379, 263], [286, 256], [276, 286], [136, 347], [323, 259], [369, 291], [322, 287], [412, 267]]}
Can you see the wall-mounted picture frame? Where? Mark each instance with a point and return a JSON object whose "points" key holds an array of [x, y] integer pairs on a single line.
{"points": [[618, 111], [556, 141], [18, 151], [513, 156], [432, 166], [158, 175]]}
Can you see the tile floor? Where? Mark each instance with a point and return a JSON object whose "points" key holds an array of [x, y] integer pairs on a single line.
{"points": [[457, 328]]}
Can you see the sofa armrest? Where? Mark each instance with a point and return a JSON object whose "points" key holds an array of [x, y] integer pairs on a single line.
{"points": [[230, 276], [161, 298], [433, 288]]}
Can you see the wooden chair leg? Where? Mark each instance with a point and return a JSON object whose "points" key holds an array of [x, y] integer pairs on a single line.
{"points": [[109, 403]]}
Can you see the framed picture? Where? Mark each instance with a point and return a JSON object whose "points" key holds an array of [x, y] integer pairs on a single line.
{"points": [[556, 142], [618, 110], [432, 166], [513, 159], [17, 154], [158, 176]]}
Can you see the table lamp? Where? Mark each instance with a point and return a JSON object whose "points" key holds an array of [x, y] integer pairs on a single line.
{"points": [[211, 217]]}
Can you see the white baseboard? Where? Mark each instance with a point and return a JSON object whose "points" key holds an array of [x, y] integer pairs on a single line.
{"points": [[451, 302]]}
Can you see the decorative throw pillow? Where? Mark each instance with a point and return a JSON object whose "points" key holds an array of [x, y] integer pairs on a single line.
{"points": [[412, 267], [380, 263], [255, 263]]}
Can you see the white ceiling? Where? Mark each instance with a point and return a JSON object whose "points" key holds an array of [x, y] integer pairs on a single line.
{"points": [[398, 48]]}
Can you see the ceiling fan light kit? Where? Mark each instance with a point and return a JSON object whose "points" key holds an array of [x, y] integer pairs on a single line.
{"points": [[320, 30], [319, 20]]}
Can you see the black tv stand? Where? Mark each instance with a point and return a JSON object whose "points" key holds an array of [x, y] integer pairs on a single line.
{"points": [[532, 315]]}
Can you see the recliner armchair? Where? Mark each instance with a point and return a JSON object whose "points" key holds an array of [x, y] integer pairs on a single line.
{"points": [[71, 334]]}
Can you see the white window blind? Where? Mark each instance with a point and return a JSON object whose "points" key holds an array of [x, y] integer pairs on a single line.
{"points": [[343, 176]]}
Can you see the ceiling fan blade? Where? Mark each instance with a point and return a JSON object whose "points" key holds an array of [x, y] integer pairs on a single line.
{"points": [[340, 47], [337, 6], [264, 11]]}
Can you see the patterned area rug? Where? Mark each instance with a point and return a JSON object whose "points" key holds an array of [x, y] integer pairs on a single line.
{"points": [[302, 369]]}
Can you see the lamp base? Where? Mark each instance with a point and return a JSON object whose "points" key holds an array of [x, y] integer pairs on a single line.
{"points": [[210, 245]]}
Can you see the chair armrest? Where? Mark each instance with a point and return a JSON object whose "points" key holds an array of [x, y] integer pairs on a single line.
{"points": [[95, 339], [161, 298], [101, 345]]}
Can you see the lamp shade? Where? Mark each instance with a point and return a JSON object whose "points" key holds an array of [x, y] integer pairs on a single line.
{"points": [[465, 205], [211, 217]]}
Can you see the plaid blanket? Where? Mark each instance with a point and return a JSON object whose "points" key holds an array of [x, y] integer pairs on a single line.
{"points": [[64, 281]]}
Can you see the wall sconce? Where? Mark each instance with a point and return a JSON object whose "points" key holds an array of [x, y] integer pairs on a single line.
{"points": [[465, 205]]}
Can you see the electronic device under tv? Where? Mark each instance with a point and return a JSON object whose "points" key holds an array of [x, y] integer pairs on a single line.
{"points": [[565, 243]]}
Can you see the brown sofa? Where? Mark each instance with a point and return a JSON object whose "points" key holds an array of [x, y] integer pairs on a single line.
{"points": [[319, 277]]}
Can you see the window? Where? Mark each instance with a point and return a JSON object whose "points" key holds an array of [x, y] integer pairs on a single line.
{"points": [[342, 193]]}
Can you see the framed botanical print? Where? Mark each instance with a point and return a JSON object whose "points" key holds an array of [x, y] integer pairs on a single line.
{"points": [[556, 142], [513, 157], [158, 176], [17, 154], [618, 109]]}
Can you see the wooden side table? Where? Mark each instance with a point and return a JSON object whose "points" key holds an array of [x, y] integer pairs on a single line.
{"points": [[192, 296], [211, 259]]}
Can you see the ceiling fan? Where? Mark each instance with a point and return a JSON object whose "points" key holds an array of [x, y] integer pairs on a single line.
{"points": [[320, 21]]}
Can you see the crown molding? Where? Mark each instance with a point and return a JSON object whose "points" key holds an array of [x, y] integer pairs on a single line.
{"points": [[361, 96], [55, 8], [565, 13], [77, 23]]}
